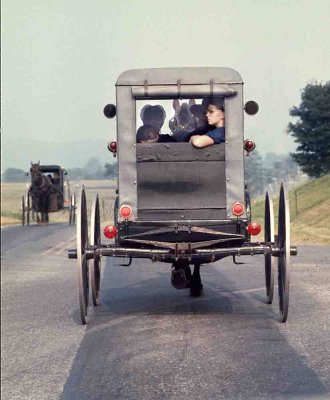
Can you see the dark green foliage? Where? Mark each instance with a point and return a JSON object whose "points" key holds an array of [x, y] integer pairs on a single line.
{"points": [[312, 130], [14, 175]]}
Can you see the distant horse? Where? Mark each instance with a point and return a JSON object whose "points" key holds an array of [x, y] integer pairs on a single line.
{"points": [[40, 192], [188, 118]]}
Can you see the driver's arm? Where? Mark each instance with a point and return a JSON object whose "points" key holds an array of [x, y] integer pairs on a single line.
{"points": [[201, 141]]}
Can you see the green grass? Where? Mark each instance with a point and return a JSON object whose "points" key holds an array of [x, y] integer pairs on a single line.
{"points": [[309, 205]]}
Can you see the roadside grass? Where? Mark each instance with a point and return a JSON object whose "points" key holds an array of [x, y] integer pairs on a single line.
{"points": [[310, 219], [11, 198]]}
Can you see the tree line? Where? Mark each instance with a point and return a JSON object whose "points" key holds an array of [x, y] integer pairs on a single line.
{"points": [[93, 170], [261, 173], [311, 132]]}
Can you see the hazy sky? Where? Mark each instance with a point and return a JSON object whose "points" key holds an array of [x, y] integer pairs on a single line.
{"points": [[61, 58]]}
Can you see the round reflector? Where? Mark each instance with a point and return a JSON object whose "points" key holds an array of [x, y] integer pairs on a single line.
{"points": [[249, 145], [237, 209], [125, 211], [112, 146], [110, 231], [251, 107], [254, 228], [109, 110]]}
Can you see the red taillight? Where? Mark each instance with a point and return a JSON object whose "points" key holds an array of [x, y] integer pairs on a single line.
{"points": [[125, 211], [110, 231], [112, 146], [254, 228], [249, 145], [237, 209]]}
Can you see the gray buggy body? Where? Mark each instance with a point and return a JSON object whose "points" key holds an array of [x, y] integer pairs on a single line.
{"points": [[60, 196], [181, 202], [178, 193]]}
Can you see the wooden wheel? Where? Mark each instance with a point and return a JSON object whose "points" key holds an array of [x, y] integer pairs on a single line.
{"points": [[284, 254], [269, 238], [28, 210], [95, 271], [72, 210], [82, 243], [23, 210]]}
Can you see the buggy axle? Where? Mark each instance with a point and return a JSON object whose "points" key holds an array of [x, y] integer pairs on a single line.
{"points": [[158, 254]]}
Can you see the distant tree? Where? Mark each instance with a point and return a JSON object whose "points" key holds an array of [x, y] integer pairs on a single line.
{"points": [[94, 169], [285, 169], [14, 175], [110, 170], [254, 173], [312, 130], [77, 173]]}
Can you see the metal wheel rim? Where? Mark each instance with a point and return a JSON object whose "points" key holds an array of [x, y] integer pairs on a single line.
{"points": [[23, 211], [269, 238], [82, 243], [70, 214], [73, 209], [28, 210], [284, 255], [95, 271], [248, 206]]}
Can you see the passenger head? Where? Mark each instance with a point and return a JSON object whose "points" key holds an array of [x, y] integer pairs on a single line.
{"points": [[215, 111], [153, 115], [147, 134]]}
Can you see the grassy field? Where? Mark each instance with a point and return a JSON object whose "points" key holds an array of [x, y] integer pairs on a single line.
{"points": [[309, 205], [11, 195], [310, 219]]}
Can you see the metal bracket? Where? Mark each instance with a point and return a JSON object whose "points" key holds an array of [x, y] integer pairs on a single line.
{"points": [[237, 262], [211, 87], [128, 264], [179, 88], [146, 88]]}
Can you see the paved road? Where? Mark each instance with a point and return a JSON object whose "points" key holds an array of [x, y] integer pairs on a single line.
{"points": [[147, 340]]}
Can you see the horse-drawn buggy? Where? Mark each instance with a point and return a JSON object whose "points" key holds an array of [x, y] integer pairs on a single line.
{"points": [[179, 202], [48, 192]]}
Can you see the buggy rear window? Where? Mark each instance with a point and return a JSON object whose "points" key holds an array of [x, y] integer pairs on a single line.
{"points": [[170, 120]]}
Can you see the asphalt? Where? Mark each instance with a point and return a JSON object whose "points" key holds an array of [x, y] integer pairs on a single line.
{"points": [[149, 341]]}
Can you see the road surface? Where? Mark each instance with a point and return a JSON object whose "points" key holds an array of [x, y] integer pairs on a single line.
{"points": [[149, 341]]}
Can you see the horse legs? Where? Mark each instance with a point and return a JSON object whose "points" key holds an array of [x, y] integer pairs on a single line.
{"points": [[196, 286], [181, 274], [45, 205]]}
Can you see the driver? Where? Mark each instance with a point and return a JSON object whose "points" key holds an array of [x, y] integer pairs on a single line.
{"points": [[215, 114]]}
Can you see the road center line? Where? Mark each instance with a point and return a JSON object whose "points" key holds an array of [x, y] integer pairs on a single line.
{"points": [[65, 243]]}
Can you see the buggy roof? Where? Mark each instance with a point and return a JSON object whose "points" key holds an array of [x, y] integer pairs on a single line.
{"points": [[185, 76], [50, 168]]}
